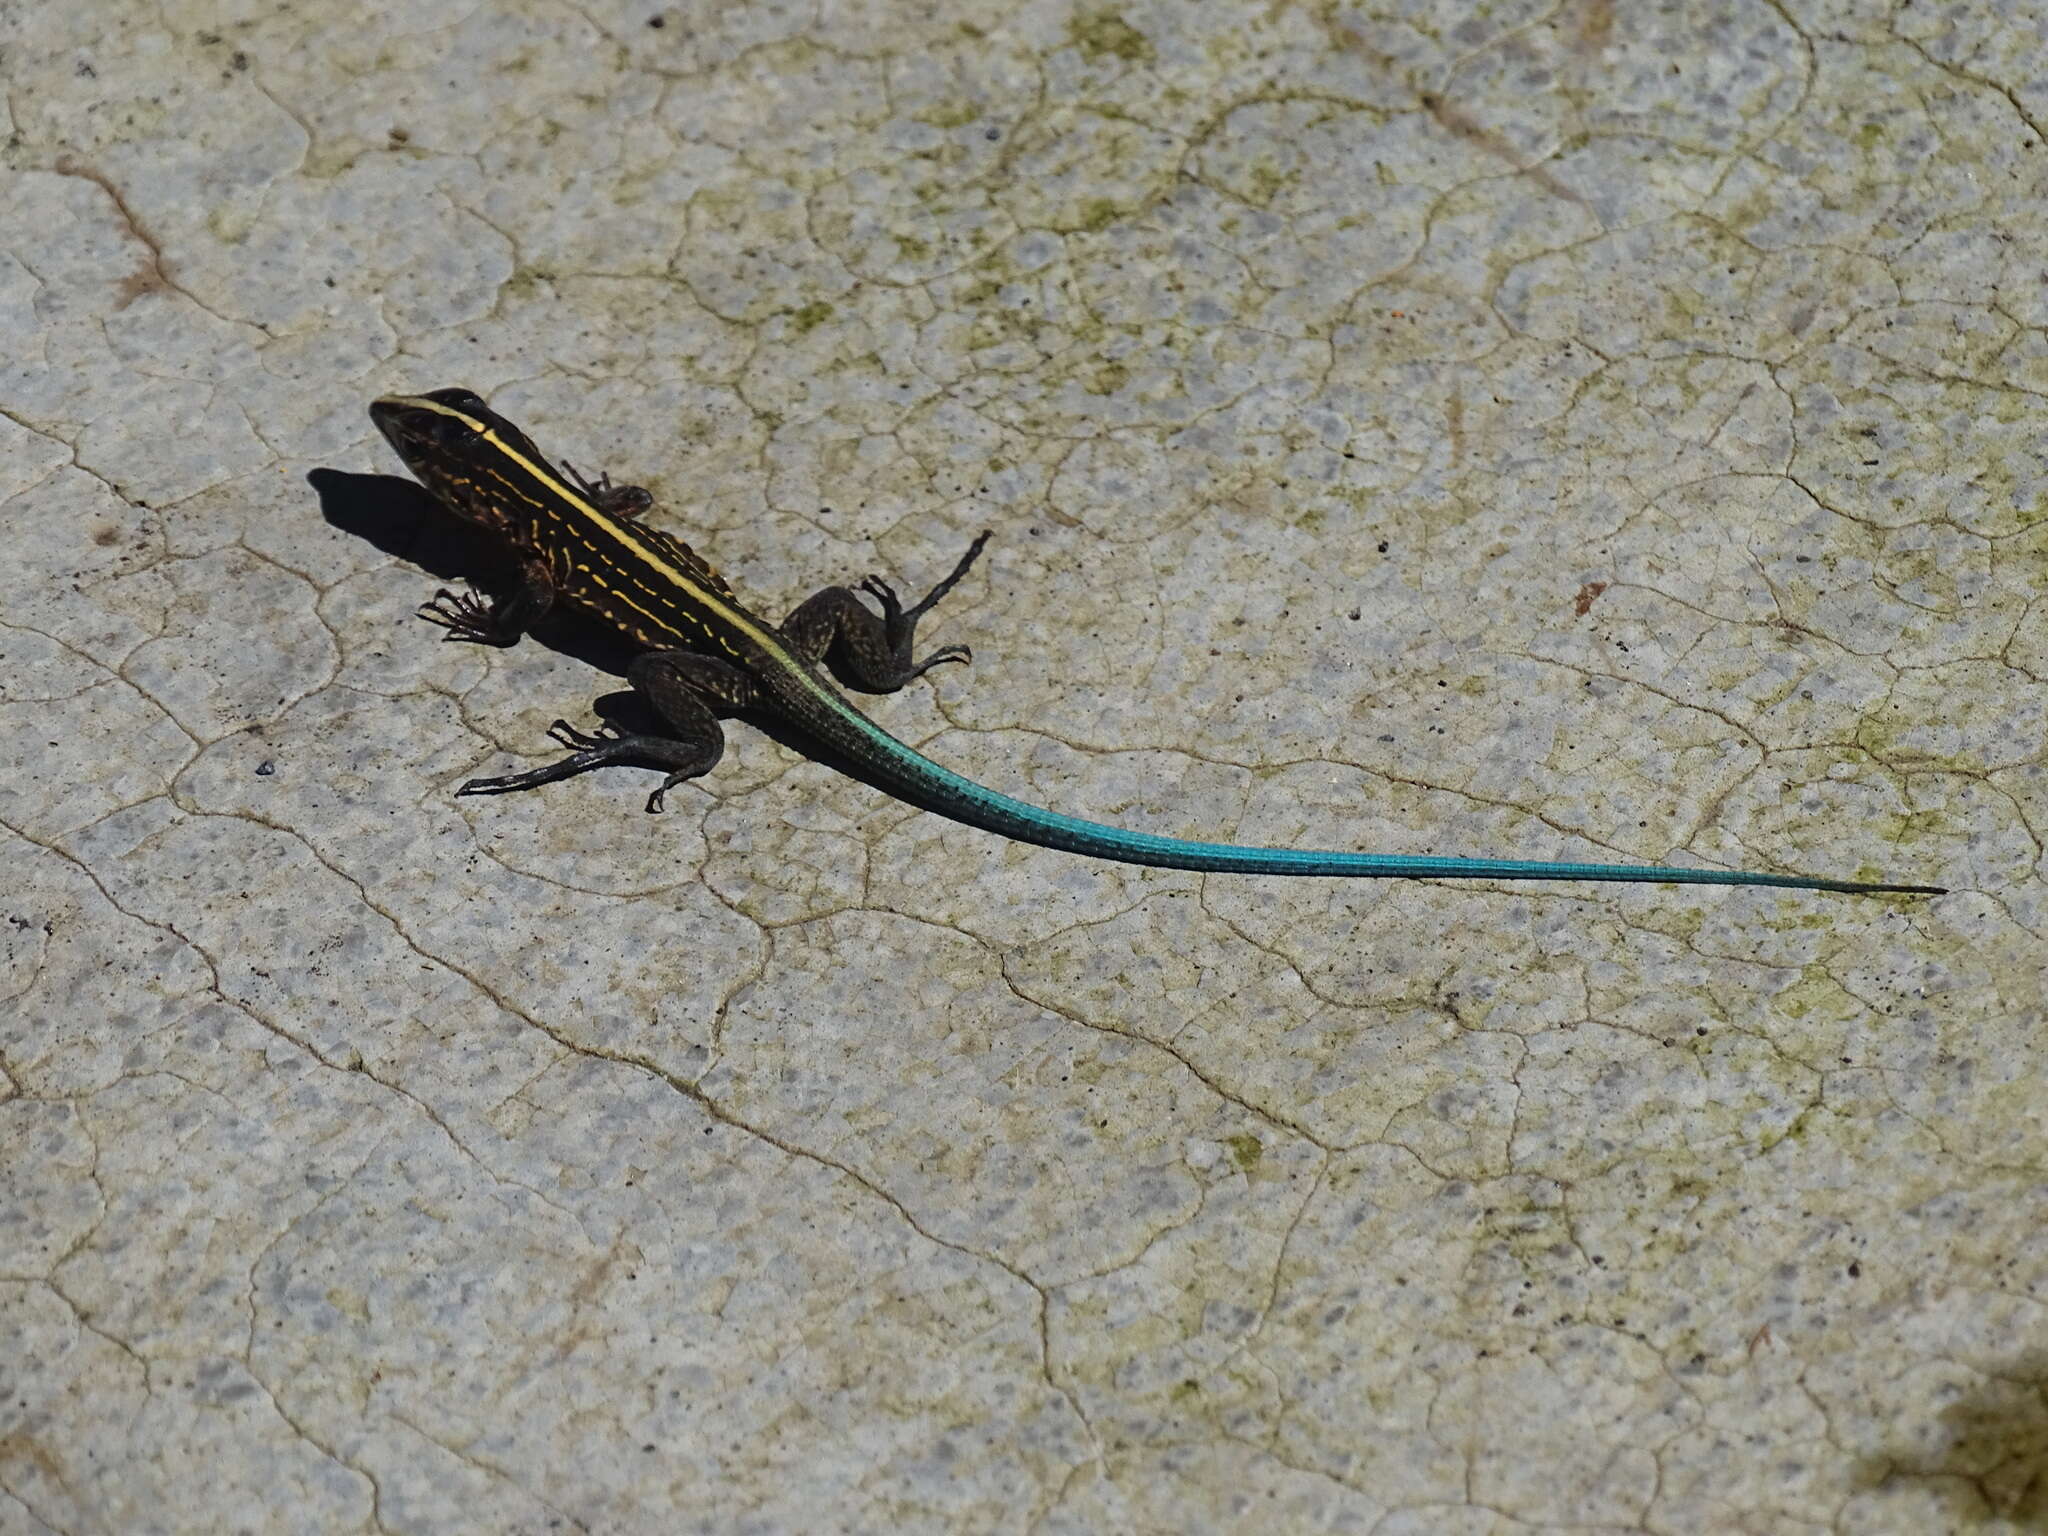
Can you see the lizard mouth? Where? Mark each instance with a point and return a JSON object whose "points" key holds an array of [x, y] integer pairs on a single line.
{"points": [[404, 425]]}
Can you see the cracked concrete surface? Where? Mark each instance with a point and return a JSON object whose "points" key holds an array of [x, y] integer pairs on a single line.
{"points": [[1556, 430]]}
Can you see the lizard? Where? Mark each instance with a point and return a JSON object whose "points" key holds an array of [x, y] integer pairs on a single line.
{"points": [[701, 654]]}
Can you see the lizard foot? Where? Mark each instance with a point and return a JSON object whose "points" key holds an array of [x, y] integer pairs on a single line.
{"points": [[465, 616]]}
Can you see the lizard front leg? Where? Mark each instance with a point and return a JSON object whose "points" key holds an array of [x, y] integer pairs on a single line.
{"points": [[467, 617], [627, 501], [687, 692], [870, 653]]}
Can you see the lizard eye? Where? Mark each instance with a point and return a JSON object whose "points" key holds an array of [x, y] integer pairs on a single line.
{"points": [[452, 431]]}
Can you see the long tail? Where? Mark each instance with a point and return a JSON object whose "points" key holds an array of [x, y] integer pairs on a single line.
{"points": [[911, 776]]}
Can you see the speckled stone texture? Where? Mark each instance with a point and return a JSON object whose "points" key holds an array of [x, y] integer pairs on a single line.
{"points": [[1546, 430]]}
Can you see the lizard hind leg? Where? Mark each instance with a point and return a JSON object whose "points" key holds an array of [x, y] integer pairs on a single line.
{"points": [[685, 691], [870, 653]]}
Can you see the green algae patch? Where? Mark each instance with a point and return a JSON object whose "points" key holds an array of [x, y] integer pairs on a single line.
{"points": [[810, 317], [1245, 1151], [1106, 35]]}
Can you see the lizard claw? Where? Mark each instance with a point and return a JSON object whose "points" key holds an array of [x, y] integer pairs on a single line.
{"points": [[464, 615], [883, 593], [960, 653], [579, 741]]}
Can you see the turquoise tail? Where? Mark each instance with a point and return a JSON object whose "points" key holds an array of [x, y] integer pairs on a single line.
{"points": [[909, 775]]}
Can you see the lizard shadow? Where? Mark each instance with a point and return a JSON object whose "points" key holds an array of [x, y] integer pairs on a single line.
{"points": [[402, 519]]}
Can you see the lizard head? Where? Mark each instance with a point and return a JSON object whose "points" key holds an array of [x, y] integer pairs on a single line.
{"points": [[447, 438]]}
